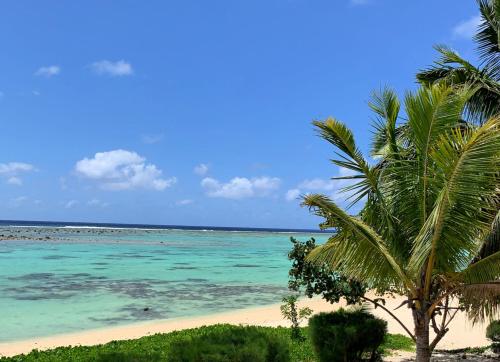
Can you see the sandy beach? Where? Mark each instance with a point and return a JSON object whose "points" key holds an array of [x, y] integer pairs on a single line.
{"points": [[462, 333]]}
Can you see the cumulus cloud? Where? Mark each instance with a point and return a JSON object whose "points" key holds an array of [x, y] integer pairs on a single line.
{"points": [[240, 187], [13, 170], [70, 204], [114, 69], [184, 202], [152, 138], [201, 169], [327, 186], [292, 194], [48, 71], [318, 184], [123, 170], [14, 180], [97, 203], [466, 29], [18, 201]]}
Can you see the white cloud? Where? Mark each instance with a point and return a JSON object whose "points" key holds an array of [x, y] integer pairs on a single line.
{"points": [[184, 202], [114, 69], [152, 138], [48, 71], [14, 180], [328, 186], [12, 171], [18, 201], [201, 169], [240, 187], [318, 184], [123, 170], [466, 29], [70, 204], [97, 203], [292, 194]]}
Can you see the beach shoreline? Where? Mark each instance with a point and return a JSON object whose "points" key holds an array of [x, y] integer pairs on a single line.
{"points": [[463, 334]]}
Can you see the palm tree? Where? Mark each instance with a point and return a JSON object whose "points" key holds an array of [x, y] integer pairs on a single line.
{"points": [[425, 231], [454, 70]]}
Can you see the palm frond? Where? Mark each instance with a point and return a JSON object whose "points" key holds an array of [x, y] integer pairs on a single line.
{"points": [[340, 136], [386, 106], [469, 162], [488, 35], [453, 70], [431, 112], [491, 242], [355, 244], [484, 271], [481, 301]]}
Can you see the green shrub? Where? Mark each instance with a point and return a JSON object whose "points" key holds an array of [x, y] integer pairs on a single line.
{"points": [[345, 335], [235, 344], [493, 331], [493, 334]]}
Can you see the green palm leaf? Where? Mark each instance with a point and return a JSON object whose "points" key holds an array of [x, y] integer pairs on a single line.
{"points": [[355, 244]]}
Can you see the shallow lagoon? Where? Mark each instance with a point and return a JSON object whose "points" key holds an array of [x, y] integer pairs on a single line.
{"points": [[84, 278]]}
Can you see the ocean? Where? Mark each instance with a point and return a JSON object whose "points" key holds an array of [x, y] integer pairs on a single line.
{"points": [[66, 277]]}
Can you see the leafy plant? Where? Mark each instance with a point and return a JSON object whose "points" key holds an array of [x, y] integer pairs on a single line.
{"points": [[290, 312], [316, 279], [346, 335], [236, 344], [493, 334]]}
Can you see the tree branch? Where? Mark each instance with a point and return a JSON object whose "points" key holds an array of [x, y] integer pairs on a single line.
{"points": [[392, 315], [444, 325]]}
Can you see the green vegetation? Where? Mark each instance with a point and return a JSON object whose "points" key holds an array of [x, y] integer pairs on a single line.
{"points": [[493, 331], [313, 279], [493, 334], [295, 316], [453, 70], [238, 344], [346, 335], [158, 347]]}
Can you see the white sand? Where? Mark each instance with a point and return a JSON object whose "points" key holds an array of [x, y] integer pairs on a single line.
{"points": [[461, 334]]}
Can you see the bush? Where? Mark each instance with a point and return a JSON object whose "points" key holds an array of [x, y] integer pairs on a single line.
{"points": [[493, 331], [235, 344], [493, 334], [346, 336]]}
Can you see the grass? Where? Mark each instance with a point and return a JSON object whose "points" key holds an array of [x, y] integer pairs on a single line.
{"points": [[156, 348]]}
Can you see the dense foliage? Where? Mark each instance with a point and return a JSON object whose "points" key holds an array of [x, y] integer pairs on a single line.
{"points": [[235, 344], [346, 335], [157, 348], [313, 279], [493, 331]]}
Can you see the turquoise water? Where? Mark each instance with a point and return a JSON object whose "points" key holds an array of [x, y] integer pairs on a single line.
{"points": [[75, 279]]}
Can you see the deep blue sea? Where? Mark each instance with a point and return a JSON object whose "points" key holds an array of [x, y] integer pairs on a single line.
{"points": [[60, 277]]}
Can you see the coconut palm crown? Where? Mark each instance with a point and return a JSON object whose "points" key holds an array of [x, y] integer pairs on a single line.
{"points": [[429, 226]]}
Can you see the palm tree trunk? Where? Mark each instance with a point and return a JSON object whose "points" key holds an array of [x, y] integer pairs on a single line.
{"points": [[422, 336]]}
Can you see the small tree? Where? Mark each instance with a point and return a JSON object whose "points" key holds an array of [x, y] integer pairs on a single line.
{"points": [[296, 316]]}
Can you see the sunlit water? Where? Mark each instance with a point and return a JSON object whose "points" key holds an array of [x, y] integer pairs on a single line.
{"points": [[84, 278]]}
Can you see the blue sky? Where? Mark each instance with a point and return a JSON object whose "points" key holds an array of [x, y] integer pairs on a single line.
{"points": [[197, 112]]}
